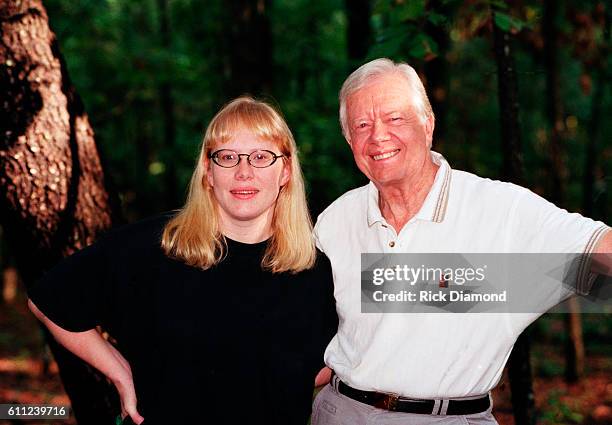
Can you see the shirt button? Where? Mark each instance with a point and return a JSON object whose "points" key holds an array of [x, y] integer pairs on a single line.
{"points": [[392, 244]]}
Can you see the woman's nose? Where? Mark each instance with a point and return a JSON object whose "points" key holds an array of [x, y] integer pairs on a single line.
{"points": [[244, 170]]}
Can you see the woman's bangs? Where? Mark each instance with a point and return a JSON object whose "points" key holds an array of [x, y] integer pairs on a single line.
{"points": [[261, 122]]}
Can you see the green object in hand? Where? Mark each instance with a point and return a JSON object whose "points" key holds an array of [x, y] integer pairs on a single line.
{"points": [[118, 420]]}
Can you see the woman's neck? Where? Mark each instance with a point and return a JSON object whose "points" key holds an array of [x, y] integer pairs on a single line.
{"points": [[247, 231]]}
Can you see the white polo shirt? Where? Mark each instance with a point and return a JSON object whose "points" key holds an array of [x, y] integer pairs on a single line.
{"points": [[437, 355]]}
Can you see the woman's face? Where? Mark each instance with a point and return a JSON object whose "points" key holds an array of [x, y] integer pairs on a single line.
{"points": [[247, 195]]}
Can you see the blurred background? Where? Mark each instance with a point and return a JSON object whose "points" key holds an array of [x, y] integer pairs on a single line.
{"points": [[522, 91]]}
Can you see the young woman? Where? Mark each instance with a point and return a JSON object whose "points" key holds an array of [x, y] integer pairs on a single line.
{"points": [[222, 310]]}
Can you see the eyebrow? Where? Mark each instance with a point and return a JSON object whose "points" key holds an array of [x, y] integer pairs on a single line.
{"points": [[384, 114]]}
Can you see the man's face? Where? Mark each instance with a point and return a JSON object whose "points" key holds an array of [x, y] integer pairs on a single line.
{"points": [[388, 136]]}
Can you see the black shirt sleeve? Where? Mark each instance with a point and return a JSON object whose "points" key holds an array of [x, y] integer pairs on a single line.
{"points": [[73, 294], [328, 317]]}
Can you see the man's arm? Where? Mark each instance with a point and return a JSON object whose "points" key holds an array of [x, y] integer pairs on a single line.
{"points": [[602, 255]]}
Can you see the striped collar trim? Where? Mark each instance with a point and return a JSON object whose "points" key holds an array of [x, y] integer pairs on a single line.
{"points": [[435, 204]]}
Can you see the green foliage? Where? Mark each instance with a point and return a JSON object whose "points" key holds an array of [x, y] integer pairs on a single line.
{"points": [[423, 46], [119, 62], [399, 30], [410, 11], [560, 413], [547, 367], [508, 23]]}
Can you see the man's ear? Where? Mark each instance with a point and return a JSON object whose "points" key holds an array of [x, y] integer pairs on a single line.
{"points": [[430, 123]]}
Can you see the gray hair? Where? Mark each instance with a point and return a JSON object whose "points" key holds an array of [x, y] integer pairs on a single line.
{"points": [[377, 68]]}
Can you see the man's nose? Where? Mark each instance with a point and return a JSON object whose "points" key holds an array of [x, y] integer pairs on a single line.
{"points": [[244, 170], [379, 131]]}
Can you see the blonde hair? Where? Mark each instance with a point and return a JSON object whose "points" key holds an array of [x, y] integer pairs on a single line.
{"points": [[363, 75], [193, 235]]}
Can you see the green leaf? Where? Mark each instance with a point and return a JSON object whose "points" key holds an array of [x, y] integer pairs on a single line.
{"points": [[499, 4], [411, 10], [422, 46], [387, 48], [380, 6], [506, 22], [437, 19]]}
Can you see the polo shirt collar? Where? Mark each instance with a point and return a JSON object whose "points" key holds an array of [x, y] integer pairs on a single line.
{"points": [[434, 207]]}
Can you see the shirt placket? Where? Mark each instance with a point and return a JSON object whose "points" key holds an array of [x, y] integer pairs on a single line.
{"points": [[388, 238]]}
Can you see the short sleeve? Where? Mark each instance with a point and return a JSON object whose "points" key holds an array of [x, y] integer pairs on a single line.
{"points": [[327, 311], [73, 293], [316, 236], [541, 227]]}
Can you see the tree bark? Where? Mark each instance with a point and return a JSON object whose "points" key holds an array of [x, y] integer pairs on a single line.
{"points": [[519, 364], [591, 164], [250, 67], [574, 348], [554, 112], [55, 197], [436, 72], [512, 169]]}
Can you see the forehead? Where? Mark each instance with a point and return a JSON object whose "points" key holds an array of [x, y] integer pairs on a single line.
{"points": [[383, 94], [244, 138]]}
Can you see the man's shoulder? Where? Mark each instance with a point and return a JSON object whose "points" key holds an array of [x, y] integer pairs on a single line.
{"points": [[465, 183], [350, 202]]}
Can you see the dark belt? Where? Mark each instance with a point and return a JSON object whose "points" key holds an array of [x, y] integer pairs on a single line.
{"points": [[409, 405]]}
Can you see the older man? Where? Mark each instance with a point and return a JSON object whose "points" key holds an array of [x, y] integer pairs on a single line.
{"points": [[423, 368]]}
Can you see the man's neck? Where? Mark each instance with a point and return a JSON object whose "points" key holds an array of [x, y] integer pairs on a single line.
{"points": [[400, 203]]}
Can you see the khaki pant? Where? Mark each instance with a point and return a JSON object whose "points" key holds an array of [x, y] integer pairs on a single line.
{"points": [[332, 408]]}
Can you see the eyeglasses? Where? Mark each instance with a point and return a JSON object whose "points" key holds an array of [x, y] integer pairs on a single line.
{"points": [[227, 158]]}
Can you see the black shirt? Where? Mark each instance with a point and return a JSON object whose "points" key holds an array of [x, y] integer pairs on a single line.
{"points": [[231, 344]]}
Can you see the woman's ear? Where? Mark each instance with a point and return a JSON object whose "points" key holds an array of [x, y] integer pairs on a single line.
{"points": [[286, 174], [208, 170]]}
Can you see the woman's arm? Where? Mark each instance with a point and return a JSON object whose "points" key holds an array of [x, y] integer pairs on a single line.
{"points": [[323, 377], [95, 350]]}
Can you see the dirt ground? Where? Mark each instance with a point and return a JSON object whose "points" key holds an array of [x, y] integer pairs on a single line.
{"points": [[23, 378]]}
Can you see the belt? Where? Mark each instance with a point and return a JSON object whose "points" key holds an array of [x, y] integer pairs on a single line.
{"points": [[396, 403]]}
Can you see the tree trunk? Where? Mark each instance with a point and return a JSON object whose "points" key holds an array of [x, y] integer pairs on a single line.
{"points": [[591, 164], [512, 169], [167, 108], [519, 364], [554, 112], [574, 348], [359, 31], [250, 67], [436, 72], [55, 197]]}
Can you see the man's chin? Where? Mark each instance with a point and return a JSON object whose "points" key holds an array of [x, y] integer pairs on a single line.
{"points": [[386, 180]]}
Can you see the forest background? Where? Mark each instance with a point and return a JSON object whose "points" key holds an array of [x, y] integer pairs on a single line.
{"points": [[151, 74]]}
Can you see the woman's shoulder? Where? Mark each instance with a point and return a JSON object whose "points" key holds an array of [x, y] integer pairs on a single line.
{"points": [[322, 262], [144, 232], [320, 269]]}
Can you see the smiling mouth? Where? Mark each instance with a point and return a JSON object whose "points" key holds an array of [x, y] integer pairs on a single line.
{"points": [[244, 192], [385, 155]]}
